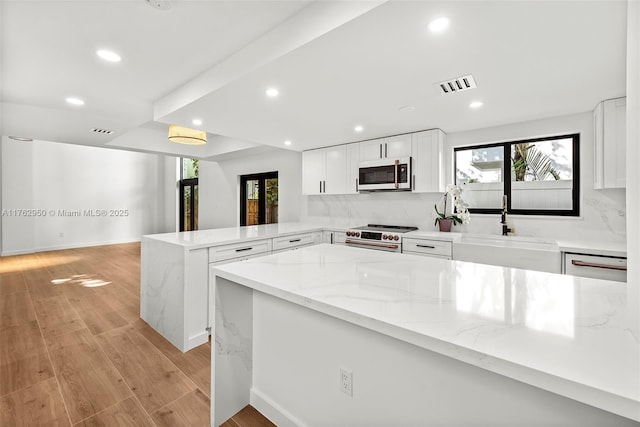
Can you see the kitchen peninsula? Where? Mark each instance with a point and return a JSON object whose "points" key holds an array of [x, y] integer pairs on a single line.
{"points": [[335, 335]]}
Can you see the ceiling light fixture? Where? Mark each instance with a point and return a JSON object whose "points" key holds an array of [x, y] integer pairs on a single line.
{"points": [[358, 128], [74, 101], [272, 92], [107, 55], [197, 122], [476, 104], [21, 138], [407, 108], [187, 136], [439, 24], [287, 142]]}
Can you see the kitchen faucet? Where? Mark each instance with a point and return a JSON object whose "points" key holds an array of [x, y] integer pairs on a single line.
{"points": [[505, 228]]}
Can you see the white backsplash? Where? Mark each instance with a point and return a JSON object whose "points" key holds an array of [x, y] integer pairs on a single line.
{"points": [[602, 216]]}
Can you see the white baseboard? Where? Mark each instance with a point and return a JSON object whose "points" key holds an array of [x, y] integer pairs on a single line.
{"points": [[69, 246], [197, 340], [274, 412]]}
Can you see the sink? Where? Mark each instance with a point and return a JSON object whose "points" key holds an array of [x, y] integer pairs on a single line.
{"points": [[511, 242], [509, 251]]}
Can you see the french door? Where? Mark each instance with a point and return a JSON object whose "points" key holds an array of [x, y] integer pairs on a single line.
{"points": [[259, 198]]}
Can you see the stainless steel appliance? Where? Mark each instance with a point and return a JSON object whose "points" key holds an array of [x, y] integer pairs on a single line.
{"points": [[378, 236], [385, 174]]}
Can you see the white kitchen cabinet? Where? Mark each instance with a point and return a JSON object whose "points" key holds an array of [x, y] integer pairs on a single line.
{"points": [[296, 241], [324, 171], [609, 120], [427, 247], [427, 157], [595, 266], [334, 237], [353, 165], [238, 250], [386, 148]]}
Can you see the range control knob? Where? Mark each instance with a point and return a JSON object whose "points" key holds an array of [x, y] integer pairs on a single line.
{"points": [[396, 238], [357, 234], [348, 234]]}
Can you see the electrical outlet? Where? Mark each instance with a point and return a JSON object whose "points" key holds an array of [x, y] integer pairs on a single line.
{"points": [[346, 381]]}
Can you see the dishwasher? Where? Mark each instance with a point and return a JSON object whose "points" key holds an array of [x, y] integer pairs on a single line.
{"points": [[595, 266]]}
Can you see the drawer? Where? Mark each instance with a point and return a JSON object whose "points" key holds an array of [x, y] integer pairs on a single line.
{"points": [[597, 267], [238, 250], [295, 241], [427, 247]]}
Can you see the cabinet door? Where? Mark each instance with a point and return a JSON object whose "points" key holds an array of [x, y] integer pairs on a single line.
{"points": [[371, 150], [428, 170], [615, 140], [335, 181], [313, 171], [353, 160], [397, 146], [610, 138]]}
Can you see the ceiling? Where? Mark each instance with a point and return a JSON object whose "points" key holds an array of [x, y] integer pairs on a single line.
{"points": [[336, 64]]}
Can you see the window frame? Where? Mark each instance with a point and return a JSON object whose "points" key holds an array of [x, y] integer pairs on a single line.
{"points": [[506, 177]]}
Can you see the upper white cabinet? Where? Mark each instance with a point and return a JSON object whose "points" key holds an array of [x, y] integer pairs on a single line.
{"points": [[334, 170], [386, 148], [428, 171], [610, 132], [324, 171]]}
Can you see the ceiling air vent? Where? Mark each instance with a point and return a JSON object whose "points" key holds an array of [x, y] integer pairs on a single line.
{"points": [[102, 131], [458, 84]]}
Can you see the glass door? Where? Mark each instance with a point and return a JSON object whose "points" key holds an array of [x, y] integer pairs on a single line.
{"points": [[259, 199], [189, 194]]}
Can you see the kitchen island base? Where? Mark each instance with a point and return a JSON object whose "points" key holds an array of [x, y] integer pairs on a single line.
{"points": [[285, 359]]}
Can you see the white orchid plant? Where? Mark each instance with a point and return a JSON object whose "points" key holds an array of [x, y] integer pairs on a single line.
{"points": [[459, 212]]}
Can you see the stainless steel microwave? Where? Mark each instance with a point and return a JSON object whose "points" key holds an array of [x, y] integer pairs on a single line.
{"points": [[385, 174]]}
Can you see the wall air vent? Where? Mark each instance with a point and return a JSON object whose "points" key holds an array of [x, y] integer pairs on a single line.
{"points": [[458, 84], [102, 131]]}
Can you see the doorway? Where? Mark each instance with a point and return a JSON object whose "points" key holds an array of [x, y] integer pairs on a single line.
{"points": [[189, 169], [259, 198]]}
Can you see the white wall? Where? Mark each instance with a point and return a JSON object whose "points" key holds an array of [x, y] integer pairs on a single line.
{"points": [[633, 160], [56, 177], [602, 211], [219, 186]]}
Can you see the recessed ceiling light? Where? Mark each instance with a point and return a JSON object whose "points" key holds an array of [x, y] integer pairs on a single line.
{"points": [[476, 104], [287, 142], [439, 24], [272, 92], [74, 101], [196, 122], [407, 108], [21, 138], [107, 55], [358, 128]]}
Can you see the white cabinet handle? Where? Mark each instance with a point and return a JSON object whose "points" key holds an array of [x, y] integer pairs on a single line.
{"points": [[579, 263]]}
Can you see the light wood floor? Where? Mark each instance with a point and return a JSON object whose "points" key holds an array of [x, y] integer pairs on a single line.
{"points": [[74, 351]]}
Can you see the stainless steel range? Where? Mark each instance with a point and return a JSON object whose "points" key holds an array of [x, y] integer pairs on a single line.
{"points": [[378, 236]]}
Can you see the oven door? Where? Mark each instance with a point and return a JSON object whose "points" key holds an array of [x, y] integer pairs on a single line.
{"points": [[371, 244], [386, 174]]}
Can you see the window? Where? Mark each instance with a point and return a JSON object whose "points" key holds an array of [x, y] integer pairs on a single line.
{"points": [[189, 169], [259, 199], [539, 176]]}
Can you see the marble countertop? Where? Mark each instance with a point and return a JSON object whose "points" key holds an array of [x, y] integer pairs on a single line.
{"points": [[220, 236], [564, 334], [593, 248]]}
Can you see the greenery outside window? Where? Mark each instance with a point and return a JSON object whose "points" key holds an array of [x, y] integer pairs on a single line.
{"points": [[540, 176]]}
